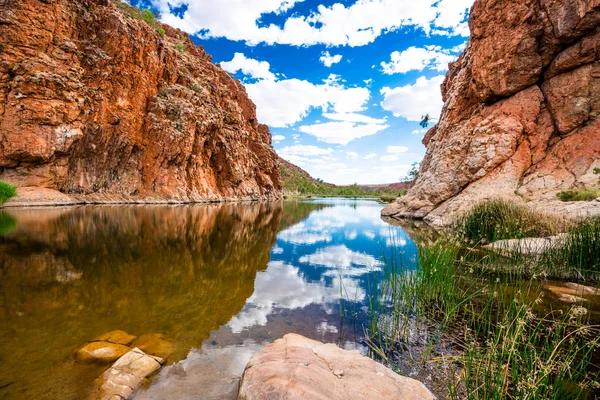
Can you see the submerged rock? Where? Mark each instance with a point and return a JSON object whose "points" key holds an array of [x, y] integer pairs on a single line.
{"points": [[101, 352], [572, 292], [155, 344], [118, 337], [120, 380], [298, 368]]}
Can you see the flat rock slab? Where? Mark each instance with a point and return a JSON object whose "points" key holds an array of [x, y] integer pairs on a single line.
{"points": [[527, 245], [298, 368], [120, 380]]}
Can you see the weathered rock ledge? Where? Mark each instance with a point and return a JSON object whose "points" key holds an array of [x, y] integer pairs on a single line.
{"points": [[297, 368], [101, 106], [520, 116]]}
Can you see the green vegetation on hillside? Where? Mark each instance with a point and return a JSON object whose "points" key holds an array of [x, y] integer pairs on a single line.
{"points": [[143, 15], [6, 191], [579, 195], [297, 182]]}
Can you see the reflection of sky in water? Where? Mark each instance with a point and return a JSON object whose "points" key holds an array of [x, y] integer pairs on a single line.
{"points": [[335, 249]]}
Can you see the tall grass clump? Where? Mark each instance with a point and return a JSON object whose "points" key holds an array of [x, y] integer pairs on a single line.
{"points": [[578, 250], [506, 345], [499, 219], [7, 191]]}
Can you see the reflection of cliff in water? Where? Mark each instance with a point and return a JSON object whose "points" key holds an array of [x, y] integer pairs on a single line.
{"points": [[68, 275]]}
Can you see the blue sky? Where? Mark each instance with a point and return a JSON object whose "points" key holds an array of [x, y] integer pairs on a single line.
{"points": [[341, 83]]}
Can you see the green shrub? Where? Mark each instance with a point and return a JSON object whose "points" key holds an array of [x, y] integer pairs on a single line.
{"points": [[498, 219], [6, 191], [180, 46], [579, 195]]}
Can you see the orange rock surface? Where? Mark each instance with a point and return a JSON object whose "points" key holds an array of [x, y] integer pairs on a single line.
{"points": [[99, 105], [520, 116]]}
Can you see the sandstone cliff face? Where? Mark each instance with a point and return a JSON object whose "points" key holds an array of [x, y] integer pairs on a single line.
{"points": [[521, 111], [97, 104]]}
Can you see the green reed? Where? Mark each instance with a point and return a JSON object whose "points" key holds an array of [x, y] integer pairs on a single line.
{"points": [[507, 345]]}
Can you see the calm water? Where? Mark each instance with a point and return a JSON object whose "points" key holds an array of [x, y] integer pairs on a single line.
{"points": [[219, 281]]}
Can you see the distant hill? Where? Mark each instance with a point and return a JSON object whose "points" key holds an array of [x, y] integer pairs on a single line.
{"points": [[297, 181]]}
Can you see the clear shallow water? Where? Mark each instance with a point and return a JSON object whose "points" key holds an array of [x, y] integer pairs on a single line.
{"points": [[220, 281]]}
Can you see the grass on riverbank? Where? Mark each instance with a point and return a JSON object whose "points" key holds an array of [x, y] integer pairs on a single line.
{"points": [[499, 219], [7, 191], [508, 345]]}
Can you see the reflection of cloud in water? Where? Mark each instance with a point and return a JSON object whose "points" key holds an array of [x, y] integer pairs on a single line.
{"points": [[324, 327], [215, 372], [369, 234], [277, 250], [281, 286], [393, 237], [303, 234], [341, 257]]}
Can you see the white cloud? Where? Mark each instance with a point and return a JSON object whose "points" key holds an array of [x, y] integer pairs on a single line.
{"points": [[303, 150], [248, 66], [342, 257], [417, 59], [413, 101], [418, 131], [352, 155], [370, 156], [397, 149], [389, 158], [284, 102], [354, 117], [354, 25], [328, 60], [341, 132], [278, 138], [368, 81]]}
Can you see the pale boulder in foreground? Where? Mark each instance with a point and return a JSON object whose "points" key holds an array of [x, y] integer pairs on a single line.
{"points": [[295, 368]]}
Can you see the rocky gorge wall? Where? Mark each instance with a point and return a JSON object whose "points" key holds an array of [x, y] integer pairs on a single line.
{"points": [[521, 112], [99, 105]]}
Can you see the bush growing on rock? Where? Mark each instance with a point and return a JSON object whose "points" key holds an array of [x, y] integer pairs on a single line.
{"points": [[6, 191], [579, 195]]}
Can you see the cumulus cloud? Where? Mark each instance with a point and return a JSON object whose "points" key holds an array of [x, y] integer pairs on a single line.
{"points": [[248, 66], [413, 101], [328, 60], [278, 138], [389, 158], [397, 149], [302, 150], [280, 103], [352, 155], [370, 156], [354, 117], [353, 25], [342, 132], [417, 59], [418, 132]]}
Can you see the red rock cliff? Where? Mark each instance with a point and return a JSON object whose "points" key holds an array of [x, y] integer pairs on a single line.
{"points": [[101, 106], [521, 111]]}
